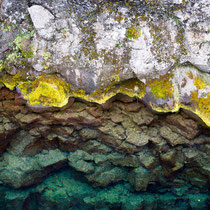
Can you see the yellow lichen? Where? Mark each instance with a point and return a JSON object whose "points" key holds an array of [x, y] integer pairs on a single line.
{"points": [[10, 81], [199, 83], [46, 91], [51, 91], [165, 108], [202, 103], [162, 87], [200, 106], [132, 88], [1, 65]]}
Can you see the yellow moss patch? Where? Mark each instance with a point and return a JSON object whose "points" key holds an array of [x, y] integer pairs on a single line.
{"points": [[47, 91], [162, 87], [52, 91]]}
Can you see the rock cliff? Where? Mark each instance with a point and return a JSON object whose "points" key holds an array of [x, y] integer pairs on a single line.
{"points": [[157, 51], [104, 104]]}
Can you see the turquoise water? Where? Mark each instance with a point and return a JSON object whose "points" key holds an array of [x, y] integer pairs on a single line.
{"points": [[68, 189]]}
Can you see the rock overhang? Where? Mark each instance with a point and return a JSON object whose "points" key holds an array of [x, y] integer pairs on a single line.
{"points": [[92, 55]]}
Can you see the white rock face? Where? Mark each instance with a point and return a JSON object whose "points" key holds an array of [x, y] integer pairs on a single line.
{"points": [[92, 48], [198, 49], [42, 20]]}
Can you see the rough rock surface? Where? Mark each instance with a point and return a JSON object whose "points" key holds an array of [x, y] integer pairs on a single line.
{"points": [[133, 59], [122, 155], [155, 50], [98, 146]]}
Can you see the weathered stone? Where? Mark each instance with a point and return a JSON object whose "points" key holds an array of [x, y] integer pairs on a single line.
{"points": [[25, 171], [20, 143], [122, 160], [137, 138], [171, 137], [140, 177], [30, 118], [88, 133], [72, 118], [116, 118], [152, 132], [125, 147], [100, 158], [148, 160], [185, 127], [124, 98], [133, 107], [40, 131], [111, 58], [63, 130], [11, 107], [78, 160], [93, 146], [96, 112], [196, 178], [67, 144], [96, 53], [117, 131], [172, 160], [110, 141], [134, 203], [42, 20], [107, 177], [143, 117], [51, 158], [6, 94]]}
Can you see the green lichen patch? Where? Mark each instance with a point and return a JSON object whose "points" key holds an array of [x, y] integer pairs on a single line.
{"points": [[133, 33], [21, 50], [22, 42]]}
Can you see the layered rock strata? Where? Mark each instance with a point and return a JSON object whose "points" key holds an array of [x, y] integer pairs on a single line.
{"points": [[104, 104], [125, 143]]}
